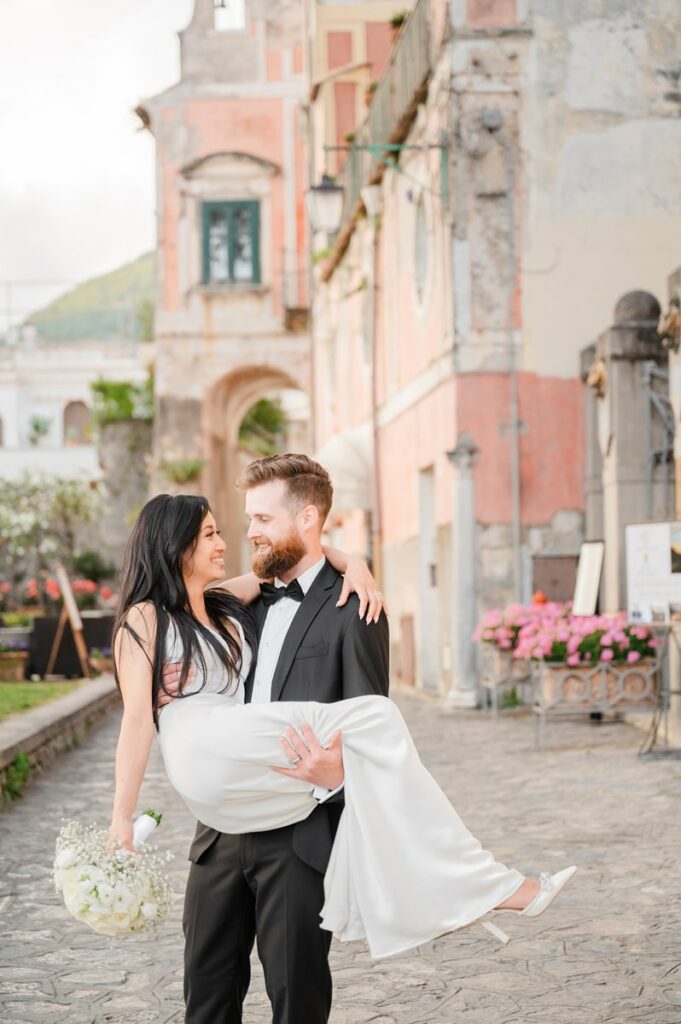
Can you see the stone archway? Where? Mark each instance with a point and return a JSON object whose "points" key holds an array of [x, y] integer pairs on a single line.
{"points": [[224, 408]]}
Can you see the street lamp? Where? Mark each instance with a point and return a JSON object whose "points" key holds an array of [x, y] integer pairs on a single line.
{"points": [[325, 205]]}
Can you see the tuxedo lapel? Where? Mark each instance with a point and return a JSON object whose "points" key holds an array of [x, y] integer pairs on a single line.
{"points": [[315, 599], [259, 612]]}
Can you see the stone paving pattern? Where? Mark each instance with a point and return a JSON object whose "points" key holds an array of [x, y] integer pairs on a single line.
{"points": [[608, 951]]}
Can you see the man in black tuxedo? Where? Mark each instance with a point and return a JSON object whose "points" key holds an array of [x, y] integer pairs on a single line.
{"points": [[268, 886]]}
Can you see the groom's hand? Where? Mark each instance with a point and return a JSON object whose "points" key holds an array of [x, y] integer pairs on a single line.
{"points": [[311, 762], [172, 670]]}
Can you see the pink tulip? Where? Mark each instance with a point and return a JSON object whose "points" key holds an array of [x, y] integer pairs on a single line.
{"points": [[573, 659], [607, 654], [633, 656]]}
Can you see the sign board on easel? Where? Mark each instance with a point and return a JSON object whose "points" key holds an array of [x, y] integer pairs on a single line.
{"points": [[588, 577], [654, 572], [70, 614]]}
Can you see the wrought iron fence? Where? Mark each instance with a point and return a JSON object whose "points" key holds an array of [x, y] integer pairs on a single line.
{"points": [[407, 72]]}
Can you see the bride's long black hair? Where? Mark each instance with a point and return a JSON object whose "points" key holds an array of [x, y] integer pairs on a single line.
{"points": [[167, 529]]}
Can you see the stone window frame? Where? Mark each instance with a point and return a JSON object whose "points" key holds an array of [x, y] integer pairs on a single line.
{"points": [[223, 177]]}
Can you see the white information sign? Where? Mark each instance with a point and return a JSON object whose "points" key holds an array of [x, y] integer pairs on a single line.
{"points": [[653, 552]]}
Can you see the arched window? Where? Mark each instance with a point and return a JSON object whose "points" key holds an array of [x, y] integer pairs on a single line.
{"points": [[77, 423]]}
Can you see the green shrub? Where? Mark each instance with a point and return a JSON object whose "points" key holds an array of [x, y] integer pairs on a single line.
{"points": [[92, 566], [16, 776]]}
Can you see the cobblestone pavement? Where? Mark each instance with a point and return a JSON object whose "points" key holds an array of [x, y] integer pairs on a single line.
{"points": [[608, 951]]}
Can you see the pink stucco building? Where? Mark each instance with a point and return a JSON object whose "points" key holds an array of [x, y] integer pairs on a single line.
{"points": [[451, 307]]}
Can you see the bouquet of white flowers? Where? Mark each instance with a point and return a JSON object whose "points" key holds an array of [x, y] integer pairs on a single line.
{"points": [[115, 892]]}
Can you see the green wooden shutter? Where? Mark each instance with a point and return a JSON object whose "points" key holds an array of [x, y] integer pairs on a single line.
{"points": [[230, 210]]}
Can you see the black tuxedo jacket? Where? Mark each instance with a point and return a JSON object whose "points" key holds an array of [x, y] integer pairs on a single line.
{"points": [[329, 654]]}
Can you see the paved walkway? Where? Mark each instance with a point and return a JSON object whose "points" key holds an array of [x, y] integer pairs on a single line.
{"points": [[609, 950]]}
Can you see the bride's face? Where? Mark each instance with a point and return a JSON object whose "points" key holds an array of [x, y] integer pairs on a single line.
{"points": [[206, 562]]}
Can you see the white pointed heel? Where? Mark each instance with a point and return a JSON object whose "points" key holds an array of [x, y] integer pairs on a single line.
{"points": [[550, 887]]}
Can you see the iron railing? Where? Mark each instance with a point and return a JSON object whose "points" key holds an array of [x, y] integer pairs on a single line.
{"points": [[405, 75]]}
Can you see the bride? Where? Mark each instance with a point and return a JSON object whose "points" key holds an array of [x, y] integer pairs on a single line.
{"points": [[404, 868]]}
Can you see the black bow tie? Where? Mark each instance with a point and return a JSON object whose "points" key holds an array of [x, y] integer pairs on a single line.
{"points": [[271, 594]]}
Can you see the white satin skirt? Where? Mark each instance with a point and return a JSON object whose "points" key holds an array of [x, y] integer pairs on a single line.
{"points": [[404, 868]]}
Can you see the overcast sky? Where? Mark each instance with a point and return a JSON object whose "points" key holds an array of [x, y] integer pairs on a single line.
{"points": [[76, 177]]}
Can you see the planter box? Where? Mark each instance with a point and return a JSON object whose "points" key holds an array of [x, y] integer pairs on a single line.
{"points": [[500, 670], [102, 665], [13, 666], [603, 687]]}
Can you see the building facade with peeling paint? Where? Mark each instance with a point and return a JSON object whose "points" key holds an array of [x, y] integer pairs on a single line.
{"points": [[232, 281], [532, 181]]}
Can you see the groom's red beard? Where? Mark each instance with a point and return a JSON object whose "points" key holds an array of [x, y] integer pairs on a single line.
{"points": [[278, 558]]}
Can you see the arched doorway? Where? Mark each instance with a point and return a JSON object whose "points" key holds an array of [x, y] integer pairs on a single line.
{"points": [[77, 423], [226, 406]]}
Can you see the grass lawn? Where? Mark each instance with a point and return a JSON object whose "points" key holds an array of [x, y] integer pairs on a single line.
{"points": [[18, 697]]}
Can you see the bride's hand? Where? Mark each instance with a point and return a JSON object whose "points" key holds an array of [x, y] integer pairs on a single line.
{"points": [[120, 836], [359, 580]]}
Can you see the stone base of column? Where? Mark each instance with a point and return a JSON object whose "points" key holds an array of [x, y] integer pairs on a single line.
{"points": [[462, 699]]}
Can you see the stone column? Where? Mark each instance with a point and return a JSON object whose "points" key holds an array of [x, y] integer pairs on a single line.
{"points": [[464, 689], [670, 329], [629, 493]]}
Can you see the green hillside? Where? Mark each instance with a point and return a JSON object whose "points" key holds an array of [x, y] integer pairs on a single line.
{"points": [[115, 305]]}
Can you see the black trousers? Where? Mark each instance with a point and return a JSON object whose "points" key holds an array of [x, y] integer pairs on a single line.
{"points": [[246, 888]]}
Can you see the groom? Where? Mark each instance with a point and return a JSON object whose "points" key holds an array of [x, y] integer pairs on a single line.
{"points": [[268, 886]]}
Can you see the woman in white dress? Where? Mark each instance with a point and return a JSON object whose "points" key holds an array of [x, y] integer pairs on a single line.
{"points": [[404, 868]]}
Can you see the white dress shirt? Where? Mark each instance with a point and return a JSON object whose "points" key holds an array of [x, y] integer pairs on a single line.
{"points": [[275, 627]]}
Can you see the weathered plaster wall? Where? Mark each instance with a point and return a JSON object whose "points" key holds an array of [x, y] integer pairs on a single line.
{"points": [[600, 135]]}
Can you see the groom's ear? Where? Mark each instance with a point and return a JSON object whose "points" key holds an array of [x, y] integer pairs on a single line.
{"points": [[309, 517]]}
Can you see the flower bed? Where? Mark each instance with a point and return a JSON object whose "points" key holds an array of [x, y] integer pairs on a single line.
{"points": [[42, 596], [549, 632], [586, 663]]}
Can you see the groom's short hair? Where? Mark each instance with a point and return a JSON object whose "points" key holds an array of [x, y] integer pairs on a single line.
{"points": [[307, 482]]}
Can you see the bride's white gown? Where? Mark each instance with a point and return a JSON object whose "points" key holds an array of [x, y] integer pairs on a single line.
{"points": [[404, 868]]}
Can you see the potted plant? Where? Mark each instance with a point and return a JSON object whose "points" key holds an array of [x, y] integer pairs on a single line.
{"points": [[396, 23], [31, 598], [100, 659], [13, 658], [590, 663], [85, 593], [369, 92]]}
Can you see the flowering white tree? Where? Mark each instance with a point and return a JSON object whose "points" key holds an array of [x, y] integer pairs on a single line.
{"points": [[40, 520]]}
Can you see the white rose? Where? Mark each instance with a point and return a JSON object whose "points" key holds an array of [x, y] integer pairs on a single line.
{"points": [[65, 858], [106, 894], [123, 899]]}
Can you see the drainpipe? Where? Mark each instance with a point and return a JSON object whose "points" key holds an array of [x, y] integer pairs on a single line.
{"points": [[377, 516], [308, 113], [492, 120]]}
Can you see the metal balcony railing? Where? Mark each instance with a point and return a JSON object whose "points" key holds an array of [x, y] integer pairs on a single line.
{"points": [[392, 106]]}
